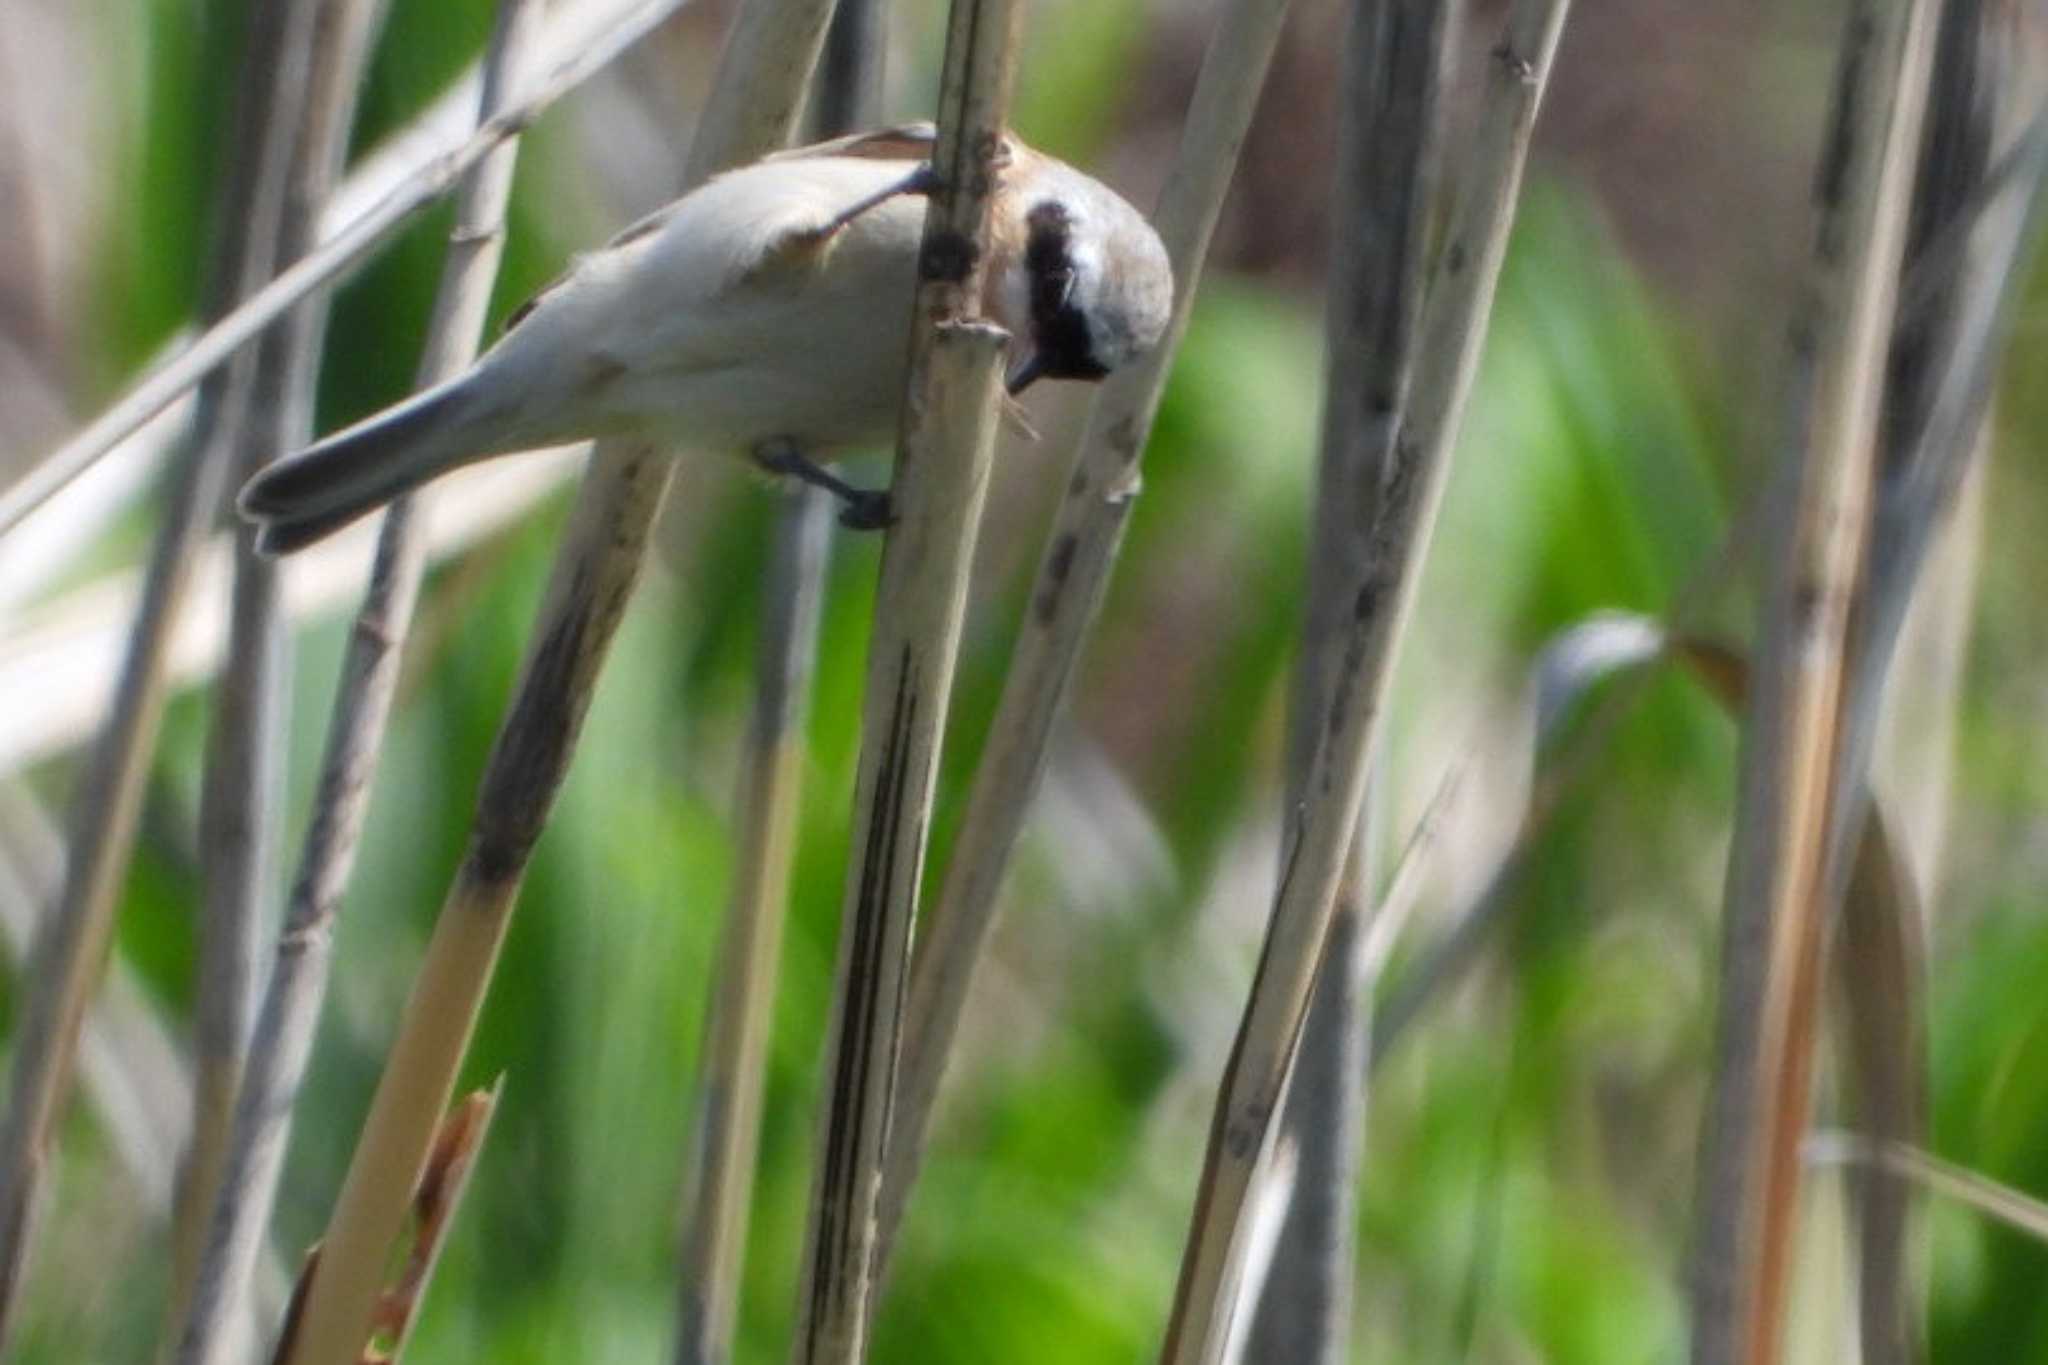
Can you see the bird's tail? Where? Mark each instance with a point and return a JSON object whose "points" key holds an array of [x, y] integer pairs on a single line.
{"points": [[308, 496]]}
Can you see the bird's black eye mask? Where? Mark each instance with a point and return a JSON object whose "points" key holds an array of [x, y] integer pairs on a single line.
{"points": [[1060, 345]]}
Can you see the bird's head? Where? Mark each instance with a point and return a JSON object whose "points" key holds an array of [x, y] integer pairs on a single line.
{"points": [[1092, 288]]}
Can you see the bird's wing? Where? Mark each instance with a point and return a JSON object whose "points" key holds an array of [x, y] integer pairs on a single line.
{"points": [[913, 142]]}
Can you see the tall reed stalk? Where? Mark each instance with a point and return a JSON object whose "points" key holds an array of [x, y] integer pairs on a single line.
{"points": [[719, 1175], [243, 788], [1458, 305], [942, 463], [1782, 880], [72, 943], [1067, 595], [282, 1043], [753, 107], [1386, 192]]}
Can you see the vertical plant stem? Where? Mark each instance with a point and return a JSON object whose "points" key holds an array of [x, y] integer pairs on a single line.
{"points": [[1781, 880], [721, 1175], [244, 780], [72, 943], [1377, 603], [753, 107], [129, 1066], [1387, 176], [719, 1179], [941, 479], [1072, 579], [283, 1039]]}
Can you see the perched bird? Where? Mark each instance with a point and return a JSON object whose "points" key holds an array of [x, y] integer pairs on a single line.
{"points": [[767, 312]]}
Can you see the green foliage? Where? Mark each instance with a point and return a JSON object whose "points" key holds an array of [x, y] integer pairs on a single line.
{"points": [[1530, 1146]]}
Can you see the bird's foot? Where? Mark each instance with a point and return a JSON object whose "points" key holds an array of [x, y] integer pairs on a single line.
{"points": [[866, 509]]}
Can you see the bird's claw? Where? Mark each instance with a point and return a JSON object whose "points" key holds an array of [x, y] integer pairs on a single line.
{"points": [[868, 509]]}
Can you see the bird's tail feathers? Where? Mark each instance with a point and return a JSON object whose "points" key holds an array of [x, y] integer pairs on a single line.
{"points": [[308, 496]]}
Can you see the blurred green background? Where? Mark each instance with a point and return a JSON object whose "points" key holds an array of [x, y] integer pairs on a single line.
{"points": [[1529, 1150]]}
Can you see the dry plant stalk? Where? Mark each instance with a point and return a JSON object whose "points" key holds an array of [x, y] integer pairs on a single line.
{"points": [[942, 463], [73, 941], [443, 1182], [244, 777], [1458, 305], [752, 109], [1386, 190], [1781, 880], [719, 1171], [720, 1180], [346, 249], [297, 983], [1072, 579], [442, 1185]]}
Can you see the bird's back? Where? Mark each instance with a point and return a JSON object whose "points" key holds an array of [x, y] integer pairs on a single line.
{"points": [[705, 325]]}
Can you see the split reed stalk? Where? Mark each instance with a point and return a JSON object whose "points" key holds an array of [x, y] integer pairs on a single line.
{"points": [[1781, 880], [719, 1174], [1073, 577], [752, 109], [941, 479], [1455, 314]]}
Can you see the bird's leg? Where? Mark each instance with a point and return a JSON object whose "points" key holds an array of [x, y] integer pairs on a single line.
{"points": [[867, 509], [923, 180]]}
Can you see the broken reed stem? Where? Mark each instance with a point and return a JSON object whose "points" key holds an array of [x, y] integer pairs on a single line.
{"points": [[941, 479], [720, 1182], [1067, 596], [72, 943], [1781, 881], [719, 1173], [753, 106], [1386, 188], [1456, 311], [346, 249], [283, 1039], [243, 785]]}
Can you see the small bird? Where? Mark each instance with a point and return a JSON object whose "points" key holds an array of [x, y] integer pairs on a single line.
{"points": [[767, 312]]}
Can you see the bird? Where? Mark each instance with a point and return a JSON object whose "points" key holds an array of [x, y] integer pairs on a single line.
{"points": [[766, 312]]}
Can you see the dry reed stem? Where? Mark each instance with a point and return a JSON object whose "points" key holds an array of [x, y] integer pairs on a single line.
{"points": [[941, 478], [243, 785], [1454, 327], [2017, 1210], [719, 1171], [72, 943], [752, 109], [1780, 880], [298, 977], [1067, 596], [1386, 192], [130, 1068], [1879, 962], [450, 1162], [720, 1182], [347, 248]]}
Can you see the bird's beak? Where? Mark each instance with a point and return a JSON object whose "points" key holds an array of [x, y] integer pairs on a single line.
{"points": [[1024, 373]]}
